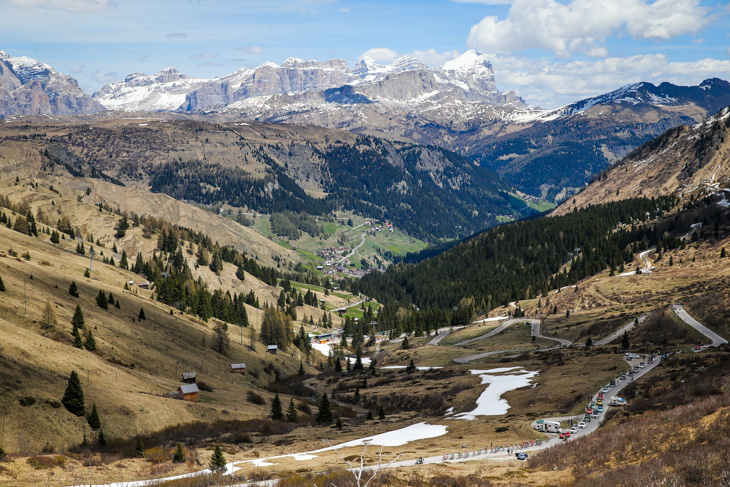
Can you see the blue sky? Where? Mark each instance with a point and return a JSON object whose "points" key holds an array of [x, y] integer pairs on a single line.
{"points": [[549, 52]]}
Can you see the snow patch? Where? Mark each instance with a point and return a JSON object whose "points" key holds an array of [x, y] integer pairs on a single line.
{"points": [[490, 402]]}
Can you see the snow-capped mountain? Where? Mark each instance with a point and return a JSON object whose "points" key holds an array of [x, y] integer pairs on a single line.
{"points": [[297, 80], [28, 86]]}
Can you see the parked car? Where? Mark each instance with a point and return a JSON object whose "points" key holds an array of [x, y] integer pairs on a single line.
{"points": [[600, 409], [565, 435], [589, 410], [594, 415], [604, 390], [582, 424], [573, 430], [641, 365], [521, 456], [623, 376]]}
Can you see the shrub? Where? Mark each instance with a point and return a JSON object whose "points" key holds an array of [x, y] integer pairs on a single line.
{"points": [[254, 398], [26, 401]]}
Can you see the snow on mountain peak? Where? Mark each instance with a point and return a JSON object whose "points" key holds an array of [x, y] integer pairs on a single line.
{"points": [[406, 63], [469, 60], [268, 64]]}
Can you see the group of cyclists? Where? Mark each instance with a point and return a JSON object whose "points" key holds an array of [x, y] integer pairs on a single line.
{"points": [[494, 449]]}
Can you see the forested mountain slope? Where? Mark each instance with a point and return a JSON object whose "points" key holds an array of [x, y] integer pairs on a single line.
{"points": [[428, 192]]}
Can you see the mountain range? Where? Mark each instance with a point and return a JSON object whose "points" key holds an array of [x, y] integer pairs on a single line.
{"points": [[548, 154]]}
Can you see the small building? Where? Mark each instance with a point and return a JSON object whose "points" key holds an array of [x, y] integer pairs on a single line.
{"points": [[273, 349], [189, 377], [144, 284], [238, 368], [188, 392]]}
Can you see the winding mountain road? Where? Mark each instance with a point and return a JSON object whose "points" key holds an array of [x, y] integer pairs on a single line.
{"points": [[717, 340]]}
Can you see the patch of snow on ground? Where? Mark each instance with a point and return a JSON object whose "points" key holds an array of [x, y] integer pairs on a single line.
{"points": [[261, 463], [303, 456], [490, 402], [399, 437]]}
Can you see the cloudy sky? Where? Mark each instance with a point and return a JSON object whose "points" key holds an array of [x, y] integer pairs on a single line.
{"points": [[549, 52]]}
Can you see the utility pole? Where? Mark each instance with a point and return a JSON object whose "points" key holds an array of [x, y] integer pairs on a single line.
{"points": [[25, 294]]}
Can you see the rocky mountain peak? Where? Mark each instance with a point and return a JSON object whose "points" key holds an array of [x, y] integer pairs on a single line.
{"points": [[169, 75], [406, 63]]}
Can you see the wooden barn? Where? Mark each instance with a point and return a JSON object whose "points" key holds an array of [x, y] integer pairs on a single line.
{"points": [[188, 392], [238, 368], [189, 377], [273, 349]]}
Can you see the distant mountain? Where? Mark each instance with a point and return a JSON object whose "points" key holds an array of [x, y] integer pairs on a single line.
{"points": [[557, 152], [28, 86], [427, 192], [682, 160]]}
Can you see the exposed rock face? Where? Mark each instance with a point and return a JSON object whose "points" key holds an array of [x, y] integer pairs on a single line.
{"points": [[31, 87]]}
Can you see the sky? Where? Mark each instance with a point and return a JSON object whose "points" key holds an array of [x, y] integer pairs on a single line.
{"points": [[549, 52]]}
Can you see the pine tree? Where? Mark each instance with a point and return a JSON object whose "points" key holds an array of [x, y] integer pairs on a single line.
{"points": [[123, 262], [110, 299], [411, 367], [301, 369], [2, 285], [102, 438], [217, 461], [101, 300], [78, 319], [87, 273], [589, 342], [73, 290], [325, 413], [338, 424], [179, 456], [141, 314], [625, 340], [404, 344], [73, 397], [369, 416], [722, 253], [89, 341], [139, 447], [381, 413], [276, 409], [93, 418], [291, 413], [50, 320], [77, 343], [338, 365]]}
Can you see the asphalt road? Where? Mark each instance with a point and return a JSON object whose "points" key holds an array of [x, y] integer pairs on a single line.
{"points": [[717, 340]]}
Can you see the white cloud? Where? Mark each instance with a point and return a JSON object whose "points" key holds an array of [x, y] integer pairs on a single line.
{"points": [[105, 76], [582, 25], [77, 69], [176, 35], [380, 54], [250, 49], [433, 58], [552, 83], [345, 10], [74, 6]]}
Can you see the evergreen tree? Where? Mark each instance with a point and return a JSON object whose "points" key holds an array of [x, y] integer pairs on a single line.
{"points": [[50, 320], [338, 424], [101, 300], [276, 409], [291, 413], [102, 438], [404, 344], [87, 273], [221, 341], [625, 340], [73, 397], [217, 461], [2, 285], [301, 368], [369, 416], [240, 274], [78, 319], [358, 360], [411, 367], [110, 299], [123, 262], [139, 447], [338, 364], [325, 413], [381, 413], [55, 237], [89, 341], [93, 418], [73, 290], [589, 342], [77, 342], [722, 253], [179, 456], [141, 315]]}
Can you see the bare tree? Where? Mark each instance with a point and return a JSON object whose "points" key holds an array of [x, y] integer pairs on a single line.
{"points": [[357, 471]]}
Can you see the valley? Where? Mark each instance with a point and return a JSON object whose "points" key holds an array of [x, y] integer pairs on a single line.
{"points": [[390, 275]]}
